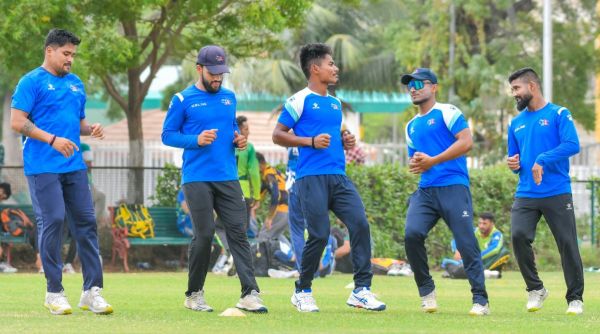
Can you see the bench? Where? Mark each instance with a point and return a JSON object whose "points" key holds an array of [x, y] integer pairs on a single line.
{"points": [[165, 234], [7, 238]]}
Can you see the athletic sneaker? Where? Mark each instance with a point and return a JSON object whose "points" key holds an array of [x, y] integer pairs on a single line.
{"points": [[196, 302], [479, 309], [575, 307], [536, 298], [252, 303], [304, 301], [364, 298], [92, 300], [57, 303], [6, 268], [68, 269], [275, 273], [428, 303]]}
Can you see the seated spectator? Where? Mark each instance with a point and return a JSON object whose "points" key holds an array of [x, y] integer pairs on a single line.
{"points": [[5, 266], [493, 251], [354, 155], [184, 221], [273, 182]]}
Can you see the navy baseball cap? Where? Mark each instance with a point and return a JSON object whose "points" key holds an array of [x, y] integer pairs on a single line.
{"points": [[214, 58], [419, 74]]}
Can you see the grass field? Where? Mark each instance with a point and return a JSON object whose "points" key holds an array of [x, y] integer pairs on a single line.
{"points": [[152, 303]]}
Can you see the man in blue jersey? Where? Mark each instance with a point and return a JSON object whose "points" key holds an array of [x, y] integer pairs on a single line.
{"points": [[201, 120], [48, 109], [541, 138], [438, 138], [321, 182]]}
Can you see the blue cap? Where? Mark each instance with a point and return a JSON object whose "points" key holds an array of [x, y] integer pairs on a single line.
{"points": [[419, 74], [214, 59]]}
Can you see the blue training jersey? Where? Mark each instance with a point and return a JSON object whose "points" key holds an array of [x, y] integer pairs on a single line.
{"points": [[56, 105], [432, 134], [548, 137], [310, 114], [191, 112]]}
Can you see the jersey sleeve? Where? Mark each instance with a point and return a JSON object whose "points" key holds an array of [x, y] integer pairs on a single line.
{"points": [[24, 95], [172, 126], [454, 119], [409, 143], [291, 112], [569, 141]]}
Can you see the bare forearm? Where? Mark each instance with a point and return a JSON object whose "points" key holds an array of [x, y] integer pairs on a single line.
{"points": [[287, 139], [459, 148], [25, 127]]}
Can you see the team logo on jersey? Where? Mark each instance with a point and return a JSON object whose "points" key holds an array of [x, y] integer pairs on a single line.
{"points": [[198, 105], [412, 130], [74, 88], [569, 206], [570, 118], [465, 213], [335, 106], [50, 87], [544, 122], [431, 121], [226, 102], [315, 106]]}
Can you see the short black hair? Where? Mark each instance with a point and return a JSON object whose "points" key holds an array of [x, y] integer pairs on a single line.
{"points": [[527, 74], [60, 37], [241, 120], [313, 54], [261, 158], [6, 187], [488, 216]]}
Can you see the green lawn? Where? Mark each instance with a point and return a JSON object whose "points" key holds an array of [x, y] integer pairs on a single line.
{"points": [[152, 303]]}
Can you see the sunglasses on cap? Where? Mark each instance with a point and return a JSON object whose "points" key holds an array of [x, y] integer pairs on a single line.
{"points": [[417, 84]]}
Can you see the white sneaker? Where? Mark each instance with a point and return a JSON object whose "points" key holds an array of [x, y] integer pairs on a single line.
{"points": [[274, 273], [57, 303], [491, 273], [365, 299], [92, 300], [196, 302], [252, 303], [6, 268], [304, 301], [575, 307], [428, 303], [68, 269], [536, 298], [479, 310]]}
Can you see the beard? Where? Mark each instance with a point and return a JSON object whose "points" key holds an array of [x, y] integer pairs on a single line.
{"points": [[523, 102], [209, 88]]}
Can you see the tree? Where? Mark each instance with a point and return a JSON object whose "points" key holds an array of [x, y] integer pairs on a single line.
{"points": [[125, 43], [23, 29]]}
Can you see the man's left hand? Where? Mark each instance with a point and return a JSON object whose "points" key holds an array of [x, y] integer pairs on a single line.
{"points": [[97, 131], [348, 139], [239, 141], [420, 163], [537, 171]]}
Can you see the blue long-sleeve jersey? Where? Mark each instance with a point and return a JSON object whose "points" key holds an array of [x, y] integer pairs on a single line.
{"points": [[191, 112], [547, 137]]}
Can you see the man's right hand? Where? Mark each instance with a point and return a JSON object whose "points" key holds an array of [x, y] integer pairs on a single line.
{"points": [[322, 141], [207, 137], [513, 162], [64, 146]]}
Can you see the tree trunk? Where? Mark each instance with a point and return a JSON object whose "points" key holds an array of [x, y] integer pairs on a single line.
{"points": [[135, 184], [13, 152]]}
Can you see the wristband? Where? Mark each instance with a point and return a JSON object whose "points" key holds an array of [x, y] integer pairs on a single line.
{"points": [[313, 142], [52, 140]]}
